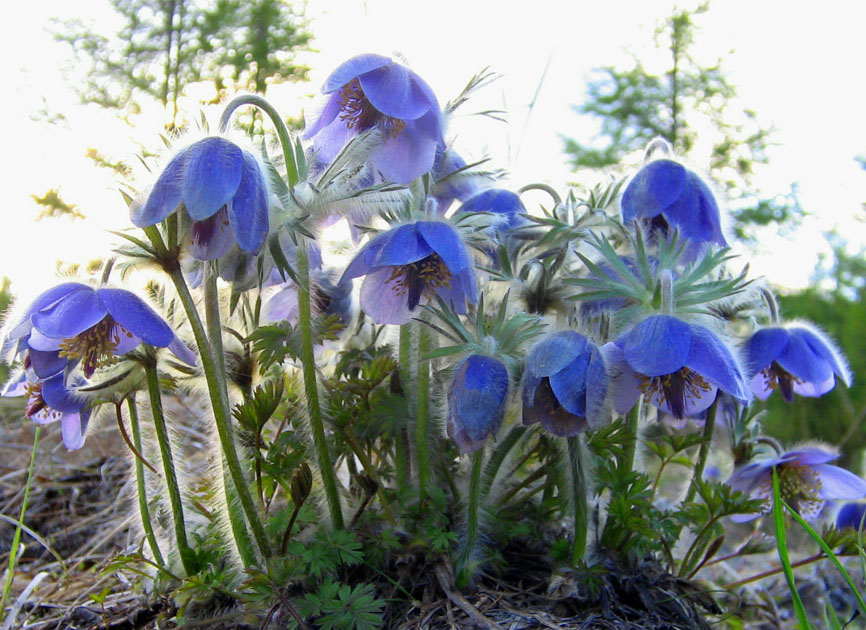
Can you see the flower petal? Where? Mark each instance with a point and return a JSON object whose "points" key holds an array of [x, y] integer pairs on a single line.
{"points": [[824, 348], [710, 358], [58, 397], [597, 383], [73, 427], [657, 346], [351, 69], [182, 351], [838, 483], [46, 364], [380, 299], [476, 399], [43, 300], [444, 240], [364, 261], [764, 347], [165, 196], [656, 186], [213, 173], [75, 313], [799, 359], [411, 152], [695, 212], [810, 455], [391, 92], [554, 352], [402, 246], [625, 384], [213, 237], [248, 210], [131, 312]]}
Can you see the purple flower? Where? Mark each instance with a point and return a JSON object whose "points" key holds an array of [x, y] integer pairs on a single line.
{"points": [[564, 384], [373, 92], [667, 194], [408, 265], [476, 401], [451, 180], [51, 401], [280, 301], [851, 515], [806, 481], [794, 359], [500, 202], [678, 366], [222, 189], [77, 323]]}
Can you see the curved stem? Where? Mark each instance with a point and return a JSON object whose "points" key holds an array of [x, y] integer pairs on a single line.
{"points": [[422, 419], [465, 568], [402, 465], [578, 495], [548, 189], [139, 479], [633, 422], [187, 556], [219, 407], [311, 388]]}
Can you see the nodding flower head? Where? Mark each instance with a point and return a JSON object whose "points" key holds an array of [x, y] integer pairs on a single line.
{"points": [[679, 367], [90, 327], [564, 384], [500, 202], [806, 481], [665, 194], [794, 359], [408, 265], [373, 92], [49, 401], [222, 189], [852, 515], [476, 401]]}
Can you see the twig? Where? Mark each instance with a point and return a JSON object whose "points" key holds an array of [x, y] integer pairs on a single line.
{"points": [[461, 602]]}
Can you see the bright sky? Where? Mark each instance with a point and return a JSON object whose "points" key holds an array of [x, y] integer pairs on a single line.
{"points": [[792, 66]]}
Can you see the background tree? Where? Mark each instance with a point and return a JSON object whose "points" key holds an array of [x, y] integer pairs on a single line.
{"points": [[635, 106]]}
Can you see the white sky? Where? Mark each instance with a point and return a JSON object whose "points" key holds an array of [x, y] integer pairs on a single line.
{"points": [[798, 68]]}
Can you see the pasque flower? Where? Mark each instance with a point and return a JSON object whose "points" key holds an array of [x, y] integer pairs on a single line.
{"points": [[409, 264], [564, 384], [851, 515], [476, 401], [222, 189], [806, 480], [678, 366], [90, 327], [49, 401], [373, 92], [794, 359], [667, 194]]}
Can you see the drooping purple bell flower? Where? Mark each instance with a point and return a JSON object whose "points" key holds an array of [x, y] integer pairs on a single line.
{"points": [[408, 265], [565, 384], [77, 323], [373, 92], [476, 401], [851, 515], [222, 189], [794, 359], [806, 481], [678, 366], [451, 182], [666, 195]]}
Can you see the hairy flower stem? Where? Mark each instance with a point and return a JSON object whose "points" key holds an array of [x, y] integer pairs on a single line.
{"points": [[236, 485], [311, 388], [633, 421], [139, 479], [362, 456], [402, 466], [422, 418], [703, 451], [16, 537], [187, 556], [473, 505], [578, 495]]}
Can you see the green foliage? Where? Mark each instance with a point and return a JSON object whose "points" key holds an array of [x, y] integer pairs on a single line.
{"points": [[163, 47], [337, 606], [53, 206]]}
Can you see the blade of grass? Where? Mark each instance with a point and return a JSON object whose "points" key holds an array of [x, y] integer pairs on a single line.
{"points": [[782, 546]]}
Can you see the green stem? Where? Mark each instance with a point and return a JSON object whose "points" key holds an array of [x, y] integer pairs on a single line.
{"points": [[139, 480], [422, 418], [784, 560], [349, 435], [633, 421], [16, 537], [402, 466], [465, 566], [187, 556], [578, 494], [703, 452], [219, 406], [311, 387]]}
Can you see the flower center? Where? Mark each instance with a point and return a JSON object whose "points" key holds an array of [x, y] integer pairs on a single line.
{"points": [[423, 277], [358, 113], [778, 378], [36, 404], [675, 389], [95, 346], [800, 487]]}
